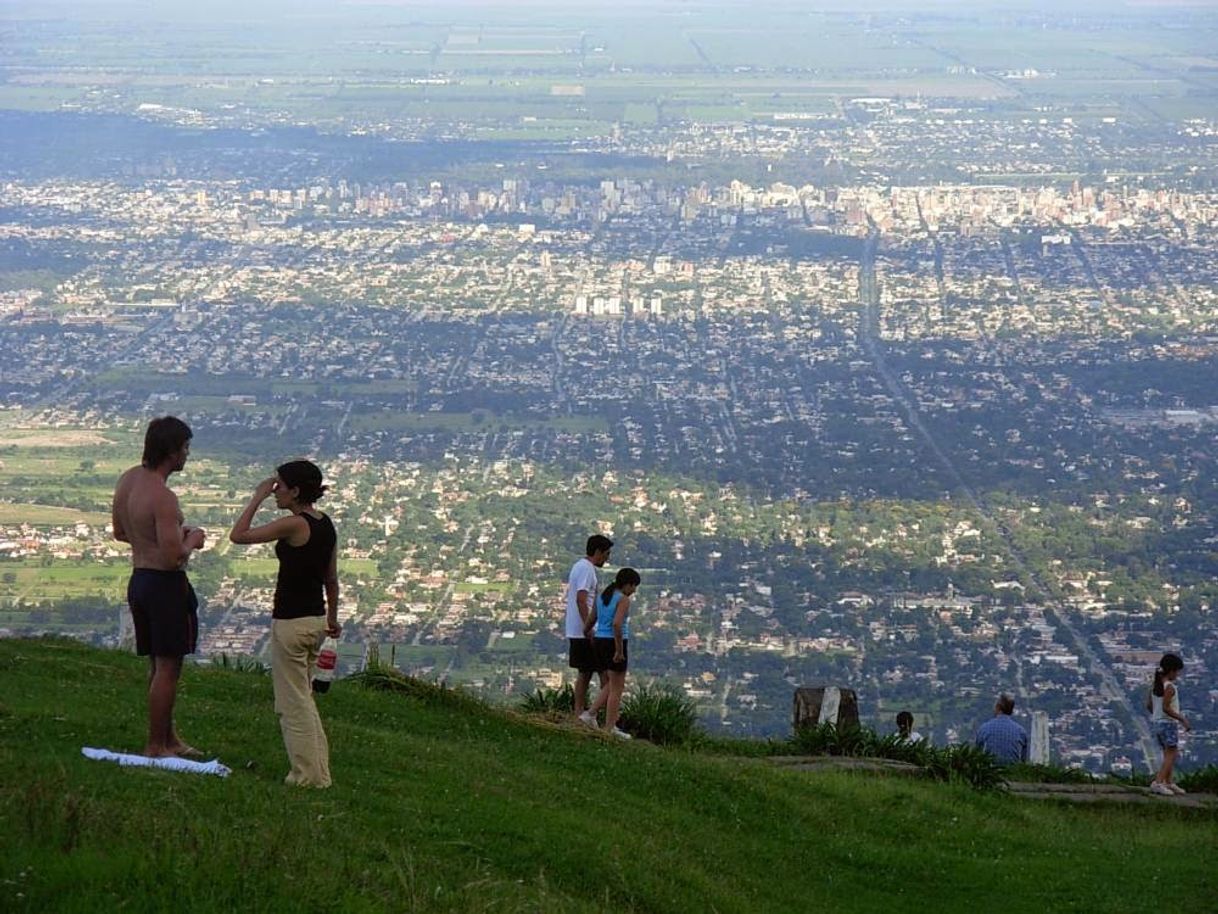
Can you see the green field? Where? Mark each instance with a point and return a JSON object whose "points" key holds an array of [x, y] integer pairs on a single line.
{"points": [[489, 587], [49, 516], [493, 70], [212, 390], [266, 566], [33, 582], [444, 804], [389, 420]]}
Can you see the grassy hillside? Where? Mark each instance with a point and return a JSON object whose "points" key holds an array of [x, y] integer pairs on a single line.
{"points": [[445, 805]]}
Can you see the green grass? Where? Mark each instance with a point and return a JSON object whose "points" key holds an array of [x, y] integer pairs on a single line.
{"points": [[266, 567], [49, 515], [487, 587], [479, 421], [260, 567], [443, 804], [33, 582]]}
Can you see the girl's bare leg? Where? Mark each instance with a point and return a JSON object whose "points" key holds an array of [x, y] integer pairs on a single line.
{"points": [[617, 685], [1166, 769]]}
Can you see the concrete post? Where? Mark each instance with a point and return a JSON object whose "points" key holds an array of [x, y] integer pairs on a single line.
{"points": [[1038, 748]]}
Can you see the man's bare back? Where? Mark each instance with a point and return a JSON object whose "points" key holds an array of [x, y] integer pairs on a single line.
{"points": [[146, 515]]}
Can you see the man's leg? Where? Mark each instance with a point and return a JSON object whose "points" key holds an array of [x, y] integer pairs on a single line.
{"points": [[602, 696], [162, 692], [581, 691], [172, 742]]}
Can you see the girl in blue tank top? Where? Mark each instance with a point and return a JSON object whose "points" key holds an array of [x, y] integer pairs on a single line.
{"points": [[610, 629]]}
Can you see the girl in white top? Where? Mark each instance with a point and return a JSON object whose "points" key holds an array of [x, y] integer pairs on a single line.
{"points": [[1163, 703]]}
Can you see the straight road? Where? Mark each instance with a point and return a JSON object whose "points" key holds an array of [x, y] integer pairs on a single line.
{"points": [[873, 346]]}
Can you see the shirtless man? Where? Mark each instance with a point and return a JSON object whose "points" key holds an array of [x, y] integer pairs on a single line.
{"points": [[163, 604]]}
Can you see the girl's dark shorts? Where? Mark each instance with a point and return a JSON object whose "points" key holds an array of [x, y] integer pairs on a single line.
{"points": [[604, 654], [165, 612]]}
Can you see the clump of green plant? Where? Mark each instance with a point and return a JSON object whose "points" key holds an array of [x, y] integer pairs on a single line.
{"points": [[659, 713], [549, 701], [241, 663], [965, 763], [387, 679], [849, 740], [1203, 780], [895, 747], [816, 739]]}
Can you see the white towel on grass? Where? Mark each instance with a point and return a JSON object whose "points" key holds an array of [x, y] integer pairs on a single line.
{"points": [[169, 764]]}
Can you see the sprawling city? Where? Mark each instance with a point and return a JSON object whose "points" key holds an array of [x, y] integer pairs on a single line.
{"points": [[882, 346]]}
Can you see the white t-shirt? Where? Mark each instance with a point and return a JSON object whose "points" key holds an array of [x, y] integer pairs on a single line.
{"points": [[582, 577]]}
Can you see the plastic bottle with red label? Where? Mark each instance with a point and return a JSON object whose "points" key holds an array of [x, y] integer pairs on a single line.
{"points": [[327, 662]]}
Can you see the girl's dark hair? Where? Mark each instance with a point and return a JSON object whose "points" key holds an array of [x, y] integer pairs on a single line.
{"points": [[305, 476], [1166, 665], [165, 436], [624, 576]]}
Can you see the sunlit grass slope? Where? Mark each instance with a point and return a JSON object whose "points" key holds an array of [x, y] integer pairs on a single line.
{"points": [[444, 804]]}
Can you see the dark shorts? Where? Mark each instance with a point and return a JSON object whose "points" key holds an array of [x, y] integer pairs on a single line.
{"points": [[604, 654], [1166, 733], [581, 656], [165, 611]]}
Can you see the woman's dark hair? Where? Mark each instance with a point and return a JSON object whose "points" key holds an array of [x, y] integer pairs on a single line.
{"points": [[165, 436], [304, 476], [904, 721], [624, 577], [1166, 665]]}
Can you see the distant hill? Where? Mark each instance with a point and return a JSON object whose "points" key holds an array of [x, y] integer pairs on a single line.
{"points": [[445, 804]]}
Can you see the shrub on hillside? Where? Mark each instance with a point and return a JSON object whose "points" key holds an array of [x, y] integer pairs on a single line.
{"points": [[659, 713], [1203, 780], [851, 740], [816, 739], [894, 747], [242, 663], [549, 701], [964, 762], [388, 679]]}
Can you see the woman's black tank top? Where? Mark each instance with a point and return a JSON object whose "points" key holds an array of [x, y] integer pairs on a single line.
{"points": [[299, 590]]}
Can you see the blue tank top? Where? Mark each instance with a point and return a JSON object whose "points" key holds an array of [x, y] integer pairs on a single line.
{"points": [[605, 614]]}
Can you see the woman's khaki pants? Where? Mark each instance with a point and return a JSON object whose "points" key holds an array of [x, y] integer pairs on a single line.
{"points": [[294, 646]]}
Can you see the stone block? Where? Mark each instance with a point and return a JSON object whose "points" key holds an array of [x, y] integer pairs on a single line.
{"points": [[826, 704]]}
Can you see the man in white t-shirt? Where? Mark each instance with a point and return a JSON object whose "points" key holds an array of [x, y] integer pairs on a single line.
{"points": [[582, 589]]}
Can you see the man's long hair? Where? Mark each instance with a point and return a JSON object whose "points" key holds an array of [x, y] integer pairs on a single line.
{"points": [[165, 436]]}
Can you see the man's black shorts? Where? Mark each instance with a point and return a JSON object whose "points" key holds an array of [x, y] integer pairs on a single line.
{"points": [[604, 648], [165, 611], [581, 656]]}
